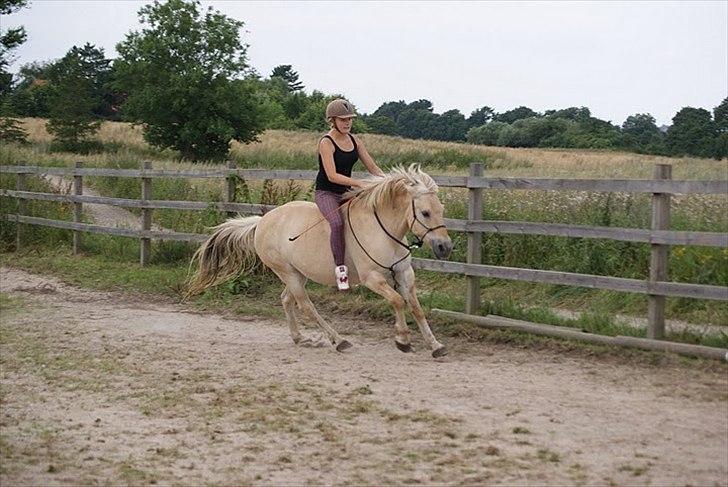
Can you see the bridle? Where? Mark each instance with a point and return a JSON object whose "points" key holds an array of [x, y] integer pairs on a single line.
{"points": [[416, 245]]}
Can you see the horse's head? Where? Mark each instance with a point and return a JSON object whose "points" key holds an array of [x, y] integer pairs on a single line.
{"points": [[429, 223], [412, 193]]}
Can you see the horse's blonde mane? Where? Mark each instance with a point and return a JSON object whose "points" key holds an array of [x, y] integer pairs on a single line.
{"points": [[382, 190]]}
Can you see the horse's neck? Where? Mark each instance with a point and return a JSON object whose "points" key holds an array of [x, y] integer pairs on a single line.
{"points": [[395, 219]]}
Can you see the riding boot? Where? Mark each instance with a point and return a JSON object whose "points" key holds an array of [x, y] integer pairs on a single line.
{"points": [[342, 277]]}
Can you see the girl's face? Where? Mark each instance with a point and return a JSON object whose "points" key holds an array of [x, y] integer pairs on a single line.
{"points": [[343, 124]]}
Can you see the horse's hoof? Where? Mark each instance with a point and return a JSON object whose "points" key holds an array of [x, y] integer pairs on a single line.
{"points": [[440, 352], [343, 345], [402, 347]]}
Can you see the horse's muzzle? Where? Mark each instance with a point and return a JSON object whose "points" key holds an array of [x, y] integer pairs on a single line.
{"points": [[441, 247]]}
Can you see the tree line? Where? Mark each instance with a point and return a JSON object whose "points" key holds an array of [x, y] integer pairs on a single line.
{"points": [[185, 78]]}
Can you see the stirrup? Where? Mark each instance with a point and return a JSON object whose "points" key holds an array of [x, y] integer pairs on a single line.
{"points": [[342, 277]]}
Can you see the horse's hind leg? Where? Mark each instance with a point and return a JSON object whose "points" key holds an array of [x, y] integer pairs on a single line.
{"points": [[289, 306], [377, 283], [295, 284]]}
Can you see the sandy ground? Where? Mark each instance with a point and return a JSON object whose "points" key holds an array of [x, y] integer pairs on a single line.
{"points": [[104, 388]]}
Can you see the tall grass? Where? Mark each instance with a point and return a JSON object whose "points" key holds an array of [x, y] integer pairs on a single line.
{"points": [[297, 150], [32, 234]]}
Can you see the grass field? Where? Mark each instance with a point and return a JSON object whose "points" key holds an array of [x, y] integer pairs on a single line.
{"points": [[125, 148], [287, 149]]}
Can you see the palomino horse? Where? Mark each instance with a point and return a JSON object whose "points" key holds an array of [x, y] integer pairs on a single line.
{"points": [[290, 241]]}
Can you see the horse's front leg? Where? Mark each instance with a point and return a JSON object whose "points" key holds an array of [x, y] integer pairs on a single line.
{"points": [[378, 283], [406, 282]]}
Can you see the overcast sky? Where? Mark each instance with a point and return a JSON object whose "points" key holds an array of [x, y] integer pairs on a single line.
{"points": [[615, 58]]}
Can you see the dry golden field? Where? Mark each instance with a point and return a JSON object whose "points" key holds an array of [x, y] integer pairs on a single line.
{"points": [[502, 161]]}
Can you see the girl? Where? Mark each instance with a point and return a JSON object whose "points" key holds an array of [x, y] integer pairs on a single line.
{"points": [[338, 150]]}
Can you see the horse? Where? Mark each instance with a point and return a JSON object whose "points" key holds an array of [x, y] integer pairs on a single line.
{"points": [[377, 218]]}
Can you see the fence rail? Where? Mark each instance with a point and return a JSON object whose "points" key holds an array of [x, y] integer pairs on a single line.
{"points": [[657, 287], [592, 185], [708, 239]]}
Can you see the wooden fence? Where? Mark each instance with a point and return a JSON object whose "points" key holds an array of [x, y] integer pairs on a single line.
{"points": [[657, 287]]}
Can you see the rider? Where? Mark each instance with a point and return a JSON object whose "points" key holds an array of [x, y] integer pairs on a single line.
{"points": [[338, 150]]}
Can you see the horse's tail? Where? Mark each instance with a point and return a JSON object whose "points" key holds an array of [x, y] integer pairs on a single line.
{"points": [[228, 252]]}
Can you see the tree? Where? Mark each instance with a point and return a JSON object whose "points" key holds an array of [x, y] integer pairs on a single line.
{"points": [[450, 126], [286, 72], [314, 116], [185, 78], [577, 114], [31, 95], [90, 63], [692, 132], [720, 116], [379, 124], [295, 104], [416, 123], [10, 39], [421, 105], [481, 116], [75, 93], [540, 131], [516, 114], [487, 134], [640, 130], [390, 109]]}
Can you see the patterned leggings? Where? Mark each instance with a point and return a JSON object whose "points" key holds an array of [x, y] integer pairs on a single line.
{"points": [[328, 203]]}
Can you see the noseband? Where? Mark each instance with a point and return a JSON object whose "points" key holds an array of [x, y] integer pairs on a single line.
{"points": [[418, 244]]}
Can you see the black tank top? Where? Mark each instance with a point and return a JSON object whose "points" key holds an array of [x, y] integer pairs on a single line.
{"points": [[343, 160]]}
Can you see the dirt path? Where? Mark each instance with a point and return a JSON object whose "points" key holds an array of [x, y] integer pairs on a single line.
{"points": [[103, 388], [105, 215]]}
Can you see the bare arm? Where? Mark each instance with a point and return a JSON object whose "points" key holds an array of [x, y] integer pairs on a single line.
{"points": [[326, 149], [367, 159]]}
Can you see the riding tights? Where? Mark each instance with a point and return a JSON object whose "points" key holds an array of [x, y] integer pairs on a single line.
{"points": [[329, 202]]}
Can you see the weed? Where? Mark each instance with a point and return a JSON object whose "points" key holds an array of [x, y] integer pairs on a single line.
{"points": [[131, 473], [636, 471], [547, 455], [492, 451], [360, 406], [364, 390]]}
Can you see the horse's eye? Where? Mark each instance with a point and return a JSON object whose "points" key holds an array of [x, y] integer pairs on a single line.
{"points": [[426, 214]]}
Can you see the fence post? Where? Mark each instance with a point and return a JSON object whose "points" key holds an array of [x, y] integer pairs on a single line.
{"points": [[77, 208], [20, 185], [230, 187], [658, 255], [475, 239], [146, 218]]}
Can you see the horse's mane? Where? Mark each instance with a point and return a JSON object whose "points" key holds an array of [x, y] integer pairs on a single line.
{"points": [[383, 190]]}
